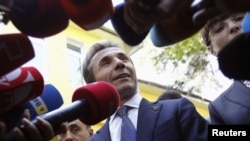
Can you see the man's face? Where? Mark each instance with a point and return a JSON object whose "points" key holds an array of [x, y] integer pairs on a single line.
{"points": [[114, 66], [224, 31], [76, 131]]}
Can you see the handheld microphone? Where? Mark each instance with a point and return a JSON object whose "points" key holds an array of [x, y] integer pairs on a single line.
{"points": [[102, 100], [5, 5], [177, 29], [15, 50], [38, 18], [19, 86], [88, 14], [126, 33], [203, 10], [91, 104], [246, 22], [233, 59], [50, 99]]}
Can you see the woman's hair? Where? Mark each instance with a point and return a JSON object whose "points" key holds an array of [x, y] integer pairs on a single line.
{"points": [[206, 29], [87, 67]]}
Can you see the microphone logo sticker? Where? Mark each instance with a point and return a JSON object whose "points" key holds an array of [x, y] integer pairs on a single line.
{"points": [[17, 77], [4, 81], [18, 86], [39, 106]]}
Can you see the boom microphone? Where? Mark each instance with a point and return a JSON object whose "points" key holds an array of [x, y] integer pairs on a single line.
{"points": [[38, 18], [91, 104], [127, 34], [50, 100], [15, 50], [19, 86], [88, 14]]}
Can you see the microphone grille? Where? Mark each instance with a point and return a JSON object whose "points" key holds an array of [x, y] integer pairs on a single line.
{"points": [[103, 100]]}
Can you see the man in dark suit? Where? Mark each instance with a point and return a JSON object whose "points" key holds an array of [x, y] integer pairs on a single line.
{"points": [[175, 120], [169, 95], [232, 106]]}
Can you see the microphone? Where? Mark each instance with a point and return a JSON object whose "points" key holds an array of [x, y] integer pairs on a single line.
{"points": [[88, 14], [38, 18], [19, 86], [91, 103], [233, 58], [15, 50], [102, 100], [50, 99], [126, 33], [179, 28], [246, 22], [158, 37]]}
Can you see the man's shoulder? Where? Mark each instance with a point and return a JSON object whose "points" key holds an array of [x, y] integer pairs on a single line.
{"points": [[236, 92], [179, 104], [175, 101]]}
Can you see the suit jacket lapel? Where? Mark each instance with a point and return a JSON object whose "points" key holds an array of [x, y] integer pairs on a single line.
{"points": [[103, 134], [147, 117]]}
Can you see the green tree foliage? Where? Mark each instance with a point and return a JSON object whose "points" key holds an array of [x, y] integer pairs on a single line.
{"points": [[182, 51], [190, 52]]}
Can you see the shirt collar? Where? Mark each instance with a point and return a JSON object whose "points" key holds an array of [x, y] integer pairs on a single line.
{"points": [[132, 102]]}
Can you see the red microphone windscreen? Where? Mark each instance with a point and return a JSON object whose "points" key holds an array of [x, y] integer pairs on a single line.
{"points": [[38, 18], [15, 50], [88, 14], [20, 86], [103, 99]]}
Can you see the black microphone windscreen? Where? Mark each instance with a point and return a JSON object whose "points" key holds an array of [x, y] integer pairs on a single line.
{"points": [[15, 50], [38, 18], [158, 37], [234, 58], [127, 34]]}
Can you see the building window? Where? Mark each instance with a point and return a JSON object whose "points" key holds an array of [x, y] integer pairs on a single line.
{"points": [[40, 61], [75, 53]]}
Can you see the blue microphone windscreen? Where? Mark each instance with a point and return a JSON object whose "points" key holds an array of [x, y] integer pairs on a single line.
{"points": [[246, 23], [158, 38], [50, 100], [127, 34]]}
